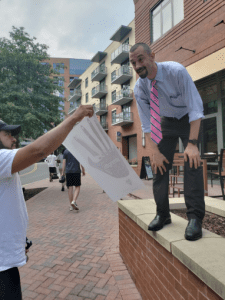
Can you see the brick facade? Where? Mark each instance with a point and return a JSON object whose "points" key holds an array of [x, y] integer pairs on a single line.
{"points": [[196, 31], [156, 272]]}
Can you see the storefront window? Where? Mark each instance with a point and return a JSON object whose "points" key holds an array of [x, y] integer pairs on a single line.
{"points": [[223, 108], [209, 135], [209, 97]]}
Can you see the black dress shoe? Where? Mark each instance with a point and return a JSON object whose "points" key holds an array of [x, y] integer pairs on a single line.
{"points": [[158, 223], [193, 231]]}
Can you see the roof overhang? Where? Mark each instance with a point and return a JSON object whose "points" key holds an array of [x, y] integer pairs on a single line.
{"points": [[98, 56], [74, 83], [120, 33]]}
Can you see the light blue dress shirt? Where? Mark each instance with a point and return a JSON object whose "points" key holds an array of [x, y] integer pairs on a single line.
{"points": [[177, 94]]}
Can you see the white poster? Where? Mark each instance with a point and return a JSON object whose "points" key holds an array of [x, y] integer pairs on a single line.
{"points": [[92, 147]]}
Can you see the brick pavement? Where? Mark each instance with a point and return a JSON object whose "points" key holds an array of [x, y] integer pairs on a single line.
{"points": [[75, 255]]}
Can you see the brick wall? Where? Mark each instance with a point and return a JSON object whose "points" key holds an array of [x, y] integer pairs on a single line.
{"points": [[196, 31], [155, 271]]}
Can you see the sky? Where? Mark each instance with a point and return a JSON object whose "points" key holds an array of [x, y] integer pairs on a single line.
{"points": [[71, 28]]}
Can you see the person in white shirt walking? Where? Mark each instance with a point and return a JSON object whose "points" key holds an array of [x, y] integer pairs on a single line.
{"points": [[60, 160], [51, 160], [13, 212]]}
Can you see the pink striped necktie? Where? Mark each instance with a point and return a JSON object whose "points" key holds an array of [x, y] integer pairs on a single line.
{"points": [[155, 120]]}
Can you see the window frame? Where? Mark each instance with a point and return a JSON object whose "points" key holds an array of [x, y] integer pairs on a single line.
{"points": [[160, 12]]}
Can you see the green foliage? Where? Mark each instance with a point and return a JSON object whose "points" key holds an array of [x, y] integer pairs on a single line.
{"points": [[26, 90]]}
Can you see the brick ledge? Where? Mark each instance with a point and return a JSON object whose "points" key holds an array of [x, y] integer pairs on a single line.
{"points": [[205, 257]]}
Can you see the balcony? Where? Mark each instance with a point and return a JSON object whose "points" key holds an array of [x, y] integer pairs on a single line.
{"points": [[104, 125], [122, 75], [120, 54], [76, 95], [124, 118], [101, 109], [73, 108], [99, 73], [122, 97], [99, 91]]}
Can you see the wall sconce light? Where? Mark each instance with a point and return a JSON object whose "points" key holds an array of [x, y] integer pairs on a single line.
{"points": [[185, 49], [222, 21]]}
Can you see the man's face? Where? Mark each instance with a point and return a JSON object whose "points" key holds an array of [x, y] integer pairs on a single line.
{"points": [[143, 63], [7, 141]]}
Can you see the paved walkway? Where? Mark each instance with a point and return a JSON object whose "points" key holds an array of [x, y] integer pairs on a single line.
{"points": [[74, 255]]}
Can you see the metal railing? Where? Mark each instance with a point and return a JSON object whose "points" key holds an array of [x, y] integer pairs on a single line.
{"points": [[101, 106], [127, 92], [98, 89], [99, 69], [104, 125], [119, 50], [75, 93], [124, 70], [73, 108], [123, 116]]}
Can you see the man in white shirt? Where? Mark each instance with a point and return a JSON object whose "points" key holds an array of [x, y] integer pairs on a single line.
{"points": [[13, 212], [51, 160]]}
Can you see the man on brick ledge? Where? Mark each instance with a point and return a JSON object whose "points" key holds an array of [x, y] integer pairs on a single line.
{"points": [[170, 107]]}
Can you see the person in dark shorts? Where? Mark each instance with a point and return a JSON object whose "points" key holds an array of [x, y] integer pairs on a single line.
{"points": [[72, 169]]}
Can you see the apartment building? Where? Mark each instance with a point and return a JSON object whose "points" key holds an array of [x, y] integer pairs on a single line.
{"points": [[193, 34], [108, 85], [73, 69]]}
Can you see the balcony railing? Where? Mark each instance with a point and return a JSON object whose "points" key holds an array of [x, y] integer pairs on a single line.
{"points": [[99, 91], [99, 73], [101, 109], [124, 118], [122, 97], [122, 75], [76, 95], [73, 108], [120, 54], [104, 125]]}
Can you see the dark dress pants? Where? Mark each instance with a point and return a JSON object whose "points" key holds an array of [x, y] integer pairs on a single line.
{"points": [[172, 129], [10, 286]]}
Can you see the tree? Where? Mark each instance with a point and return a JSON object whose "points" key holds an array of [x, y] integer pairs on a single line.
{"points": [[27, 87]]}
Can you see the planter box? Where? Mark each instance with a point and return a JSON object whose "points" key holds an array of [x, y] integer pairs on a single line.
{"points": [[163, 264]]}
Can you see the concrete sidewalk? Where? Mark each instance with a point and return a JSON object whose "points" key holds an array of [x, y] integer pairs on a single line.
{"points": [[75, 255]]}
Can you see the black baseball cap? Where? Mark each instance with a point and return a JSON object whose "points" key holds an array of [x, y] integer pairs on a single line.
{"points": [[14, 129]]}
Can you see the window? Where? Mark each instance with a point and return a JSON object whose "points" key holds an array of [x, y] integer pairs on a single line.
{"points": [[71, 91], [86, 97], [113, 76], [86, 82], [113, 96], [72, 78], [164, 16], [113, 116], [59, 68], [58, 81], [102, 67]]}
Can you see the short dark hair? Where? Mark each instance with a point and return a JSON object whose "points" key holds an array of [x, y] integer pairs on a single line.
{"points": [[145, 47]]}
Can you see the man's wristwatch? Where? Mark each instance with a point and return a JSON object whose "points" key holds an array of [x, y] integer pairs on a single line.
{"points": [[194, 142]]}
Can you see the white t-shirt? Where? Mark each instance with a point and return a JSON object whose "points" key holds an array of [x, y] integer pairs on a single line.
{"points": [[13, 214], [51, 160]]}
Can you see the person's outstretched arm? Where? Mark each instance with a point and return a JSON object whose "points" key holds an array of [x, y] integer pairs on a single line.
{"points": [[50, 141]]}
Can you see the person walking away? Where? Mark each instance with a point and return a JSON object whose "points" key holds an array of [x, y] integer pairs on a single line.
{"points": [[13, 212], [51, 160], [60, 159], [170, 107], [72, 169]]}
